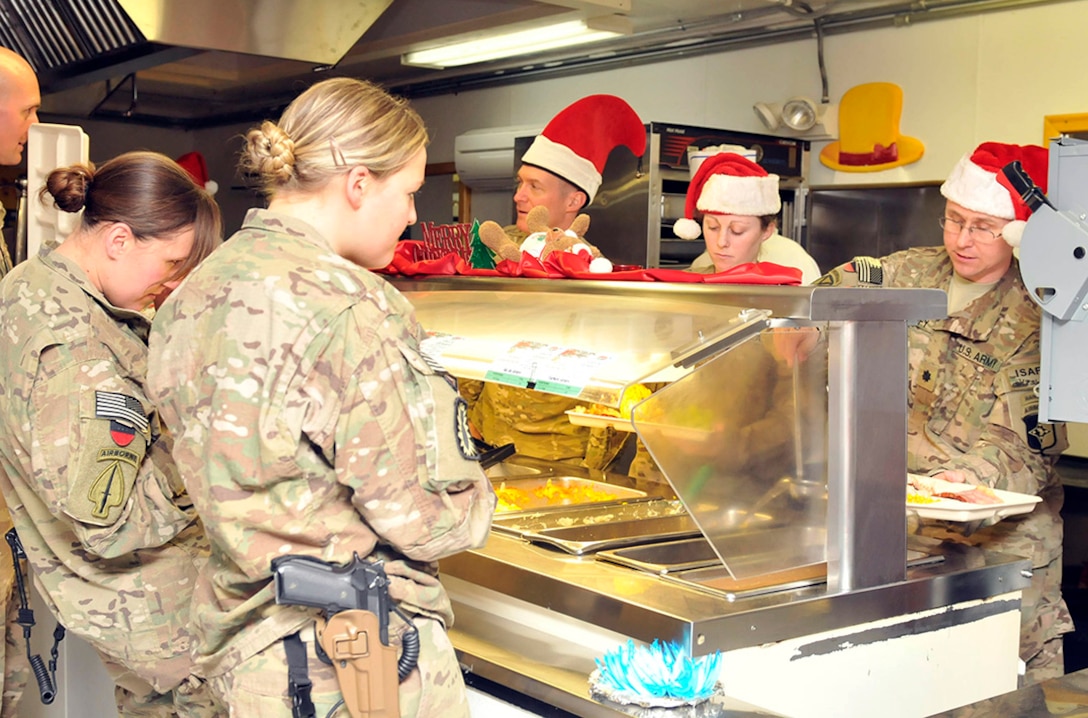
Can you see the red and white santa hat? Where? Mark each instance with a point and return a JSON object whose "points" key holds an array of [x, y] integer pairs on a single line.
{"points": [[576, 142], [727, 183], [977, 183], [193, 163]]}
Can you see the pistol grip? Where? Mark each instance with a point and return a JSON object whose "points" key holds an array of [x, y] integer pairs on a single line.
{"points": [[365, 668]]}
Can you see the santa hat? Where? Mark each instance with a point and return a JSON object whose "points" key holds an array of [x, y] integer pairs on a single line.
{"points": [[727, 183], [193, 163], [977, 183], [576, 143]]}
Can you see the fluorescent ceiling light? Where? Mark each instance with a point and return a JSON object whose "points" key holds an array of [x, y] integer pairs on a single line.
{"points": [[521, 42]]}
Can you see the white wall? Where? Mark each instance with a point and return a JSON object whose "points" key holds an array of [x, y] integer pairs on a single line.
{"points": [[965, 81]]}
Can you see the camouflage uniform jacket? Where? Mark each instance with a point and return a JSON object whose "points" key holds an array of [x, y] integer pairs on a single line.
{"points": [[972, 403], [306, 424], [534, 422], [87, 474]]}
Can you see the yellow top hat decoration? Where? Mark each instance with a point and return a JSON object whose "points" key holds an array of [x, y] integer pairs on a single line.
{"points": [[869, 131]]}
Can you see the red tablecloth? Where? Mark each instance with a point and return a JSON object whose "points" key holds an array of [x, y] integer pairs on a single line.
{"points": [[568, 265]]}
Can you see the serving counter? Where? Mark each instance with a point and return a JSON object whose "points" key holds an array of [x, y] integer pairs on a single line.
{"points": [[802, 575]]}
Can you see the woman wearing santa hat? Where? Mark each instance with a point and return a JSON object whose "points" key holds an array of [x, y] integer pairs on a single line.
{"points": [[739, 203], [973, 377]]}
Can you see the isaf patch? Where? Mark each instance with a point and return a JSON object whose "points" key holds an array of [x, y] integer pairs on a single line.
{"points": [[114, 444]]}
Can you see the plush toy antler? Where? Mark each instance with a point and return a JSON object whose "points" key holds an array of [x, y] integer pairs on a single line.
{"points": [[496, 240]]}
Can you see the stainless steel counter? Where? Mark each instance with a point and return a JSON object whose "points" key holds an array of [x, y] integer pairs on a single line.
{"points": [[532, 617]]}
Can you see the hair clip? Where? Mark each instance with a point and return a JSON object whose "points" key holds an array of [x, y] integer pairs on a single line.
{"points": [[338, 158]]}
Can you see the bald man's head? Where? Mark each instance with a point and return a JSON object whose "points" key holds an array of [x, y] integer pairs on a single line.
{"points": [[19, 102]]}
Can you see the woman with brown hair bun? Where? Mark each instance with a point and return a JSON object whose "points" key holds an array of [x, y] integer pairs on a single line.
{"points": [[308, 424], [110, 536]]}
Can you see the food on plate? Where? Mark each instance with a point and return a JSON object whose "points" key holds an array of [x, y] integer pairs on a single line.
{"points": [[631, 396], [934, 488]]}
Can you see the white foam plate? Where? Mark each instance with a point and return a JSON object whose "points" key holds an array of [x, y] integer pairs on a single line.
{"points": [[582, 418], [1011, 504]]}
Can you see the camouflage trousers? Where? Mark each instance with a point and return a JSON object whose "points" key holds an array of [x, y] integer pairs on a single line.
{"points": [[258, 686], [1045, 618], [136, 698], [14, 666]]}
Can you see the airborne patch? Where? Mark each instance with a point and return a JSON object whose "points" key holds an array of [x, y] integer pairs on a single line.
{"points": [[107, 460]]}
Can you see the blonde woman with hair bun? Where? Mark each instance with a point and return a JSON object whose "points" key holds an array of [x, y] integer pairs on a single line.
{"points": [[307, 422]]}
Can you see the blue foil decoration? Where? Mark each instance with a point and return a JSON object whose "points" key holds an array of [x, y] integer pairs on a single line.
{"points": [[660, 670]]}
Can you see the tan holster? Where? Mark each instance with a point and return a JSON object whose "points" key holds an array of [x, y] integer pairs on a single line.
{"points": [[365, 668]]}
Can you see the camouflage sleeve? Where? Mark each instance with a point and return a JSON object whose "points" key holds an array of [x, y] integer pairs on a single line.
{"points": [[103, 469], [470, 390], [1015, 452], [396, 449], [858, 272], [604, 445]]}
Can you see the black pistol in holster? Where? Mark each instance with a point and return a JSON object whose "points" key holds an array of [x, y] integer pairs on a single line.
{"points": [[354, 633]]}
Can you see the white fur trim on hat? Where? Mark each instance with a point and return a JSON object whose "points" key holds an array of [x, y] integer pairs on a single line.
{"points": [[563, 161], [685, 228], [729, 194], [600, 265], [978, 190], [1014, 232]]}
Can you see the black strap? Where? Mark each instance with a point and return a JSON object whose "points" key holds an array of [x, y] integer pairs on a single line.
{"points": [[298, 677], [46, 677]]}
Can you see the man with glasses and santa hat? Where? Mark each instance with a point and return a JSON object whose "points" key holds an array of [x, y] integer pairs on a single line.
{"points": [[972, 404]]}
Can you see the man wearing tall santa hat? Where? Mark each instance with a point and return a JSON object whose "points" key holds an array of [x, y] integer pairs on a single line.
{"points": [[562, 170], [973, 376]]}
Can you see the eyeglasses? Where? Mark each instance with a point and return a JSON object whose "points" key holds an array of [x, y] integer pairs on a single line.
{"points": [[977, 234]]}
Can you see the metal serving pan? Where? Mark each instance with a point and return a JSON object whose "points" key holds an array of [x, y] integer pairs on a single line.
{"points": [[509, 470], [716, 579], [580, 540], [584, 529], [523, 522], [664, 557]]}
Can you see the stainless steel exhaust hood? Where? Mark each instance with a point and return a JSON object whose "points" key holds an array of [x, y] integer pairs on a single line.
{"points": [[317, 31], [71, 42]]}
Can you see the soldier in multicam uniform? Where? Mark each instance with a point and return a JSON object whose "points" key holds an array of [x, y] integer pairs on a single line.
{"points": [[561, 170], [111, 538], [19, 102], [307, 421], [973, 408]]}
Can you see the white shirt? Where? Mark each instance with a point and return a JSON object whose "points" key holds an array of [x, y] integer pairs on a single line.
{"points": [[776, 249]]}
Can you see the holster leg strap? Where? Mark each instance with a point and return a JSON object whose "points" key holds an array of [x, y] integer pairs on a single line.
{"points": [[298, 677]]}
